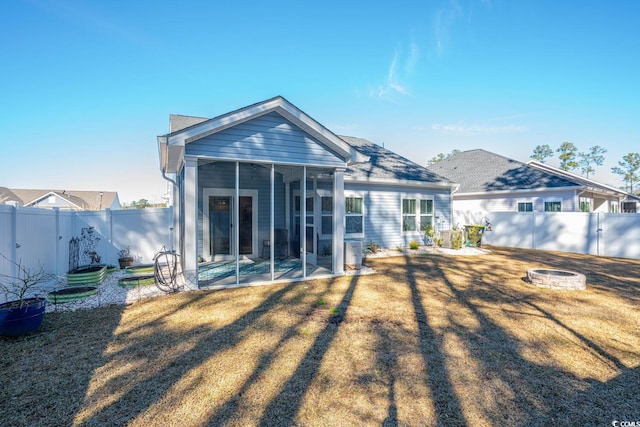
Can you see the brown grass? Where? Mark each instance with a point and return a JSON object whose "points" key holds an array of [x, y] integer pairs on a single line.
{"points": [[429, 340]]}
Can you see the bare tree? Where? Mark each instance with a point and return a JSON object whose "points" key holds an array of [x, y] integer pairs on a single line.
{"points": [[25, 281]]}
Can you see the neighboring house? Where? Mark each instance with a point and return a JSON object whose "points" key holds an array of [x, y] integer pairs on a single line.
{"points": [[597, 196], [491, 182], [62, 199], [240, 179]]}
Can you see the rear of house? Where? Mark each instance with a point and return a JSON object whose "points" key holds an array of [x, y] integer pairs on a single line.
{"points": [[266, 193]]}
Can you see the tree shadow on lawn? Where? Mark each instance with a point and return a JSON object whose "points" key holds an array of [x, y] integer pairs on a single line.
{"points": [[192, 347], [509, 387], [611, 275], [45, 374], [283, 408]]}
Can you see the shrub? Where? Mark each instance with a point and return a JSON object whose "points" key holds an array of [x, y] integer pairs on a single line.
{"points": [[414, 245], [432, 237], [457, 238], [373, 247]]}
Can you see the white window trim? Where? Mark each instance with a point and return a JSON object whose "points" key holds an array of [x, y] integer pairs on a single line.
{"points": [[614, 207], [533, 205], [589, 200], [552, 201], [361, 195], [417, 197]]}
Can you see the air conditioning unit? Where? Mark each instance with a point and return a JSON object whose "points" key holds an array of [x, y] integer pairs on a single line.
{"points": [[352, 254]]}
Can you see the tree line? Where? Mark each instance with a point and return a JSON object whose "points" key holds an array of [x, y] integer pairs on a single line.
{"points": [[570, 159]]}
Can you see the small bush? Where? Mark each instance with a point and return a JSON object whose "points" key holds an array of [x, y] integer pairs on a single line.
{"points": [[414, 245], [373, 247], [432, 237], [457, 238]]}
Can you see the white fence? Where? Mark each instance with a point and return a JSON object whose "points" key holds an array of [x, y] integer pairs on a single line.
{"points": [[37, 237], [606, 234]]}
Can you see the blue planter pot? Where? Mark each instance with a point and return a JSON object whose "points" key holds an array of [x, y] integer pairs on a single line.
{"points": [[16, 320]]}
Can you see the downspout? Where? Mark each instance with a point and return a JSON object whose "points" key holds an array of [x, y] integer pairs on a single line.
{"points": [[455, 190], [173, 220], [164, 175]]}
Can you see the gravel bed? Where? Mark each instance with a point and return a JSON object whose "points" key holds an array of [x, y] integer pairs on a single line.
{"points": [[110, 293]]}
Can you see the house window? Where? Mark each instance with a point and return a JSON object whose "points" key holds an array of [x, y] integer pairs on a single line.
{"points": [[426, 213], [553, 206], [525, 207], [614, 208], [629, 207], [585, 205], [416, 213], [326, 204], [354, 215], [409, 214], [52, 200]]}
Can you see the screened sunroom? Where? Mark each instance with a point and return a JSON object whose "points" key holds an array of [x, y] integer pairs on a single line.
{"points": [[259, 195]]}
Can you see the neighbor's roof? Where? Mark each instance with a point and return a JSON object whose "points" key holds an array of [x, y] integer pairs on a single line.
{"points": [[581, 180], [480, 171], [178, 122], [88, 200], [385, 165], [7, 195]]}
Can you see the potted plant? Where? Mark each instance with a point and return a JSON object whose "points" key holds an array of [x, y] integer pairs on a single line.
{"points": [[24, 311], [124, 258], [474, 234]]}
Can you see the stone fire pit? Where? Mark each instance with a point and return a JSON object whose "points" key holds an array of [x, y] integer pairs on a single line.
{"points": [[557, 279]]}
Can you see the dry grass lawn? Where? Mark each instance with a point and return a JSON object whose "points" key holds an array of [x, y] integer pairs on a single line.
{"points": [[429, 340]]}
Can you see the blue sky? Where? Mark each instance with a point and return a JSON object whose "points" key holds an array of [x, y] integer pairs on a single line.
{"points": [[88, 85]]}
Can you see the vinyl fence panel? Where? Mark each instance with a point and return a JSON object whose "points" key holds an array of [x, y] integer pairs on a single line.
{"points": [[606, 234], [37, 237]]}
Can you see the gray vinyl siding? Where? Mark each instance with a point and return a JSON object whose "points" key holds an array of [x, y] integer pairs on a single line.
{"points": [[382, 212], [222, 175], [268, 138]]}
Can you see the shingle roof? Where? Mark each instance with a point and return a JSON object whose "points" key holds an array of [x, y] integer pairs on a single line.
{"points": [[481, 171], [88, 200], [7, 195], [386, 165], [178, 122]]}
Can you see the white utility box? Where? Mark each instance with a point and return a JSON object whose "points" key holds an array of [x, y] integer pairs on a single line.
{"points": [[352, 254]]}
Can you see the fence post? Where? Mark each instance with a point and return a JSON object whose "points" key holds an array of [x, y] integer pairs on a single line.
{"points": [[57, 240], [14, 242], [533, 230], [598, 231], [109, 221]]}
